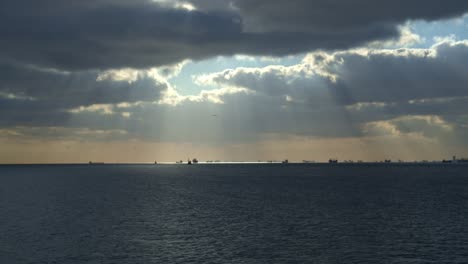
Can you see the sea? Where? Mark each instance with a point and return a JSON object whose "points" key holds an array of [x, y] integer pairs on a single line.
{"points": [[234, 213]]}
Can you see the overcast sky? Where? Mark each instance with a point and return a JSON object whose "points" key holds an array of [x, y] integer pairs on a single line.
{"points": [[142, 80]]}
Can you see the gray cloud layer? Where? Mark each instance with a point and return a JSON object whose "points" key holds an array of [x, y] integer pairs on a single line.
{"points": [[334, 94], [330, 94], [341, 15], [113, 34], [75, 89], [361, 76], [30, 96]]}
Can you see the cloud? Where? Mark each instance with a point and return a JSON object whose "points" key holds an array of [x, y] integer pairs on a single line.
{"points": [[60, 133], [359, 76], [39, 97], [104, 34], [100, 70], [339, 16], [345, 93], [69, 89], [428, 126], [334, 94], [407, 39]]}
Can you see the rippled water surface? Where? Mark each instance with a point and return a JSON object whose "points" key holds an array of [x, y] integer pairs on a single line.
{"points": [[234, 214]]}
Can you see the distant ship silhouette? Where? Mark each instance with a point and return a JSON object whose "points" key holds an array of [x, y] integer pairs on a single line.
{"points": [[193, 161], [95, 163]]}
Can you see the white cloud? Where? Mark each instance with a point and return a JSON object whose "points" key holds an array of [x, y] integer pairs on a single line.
{"points": [[12, 96], [425, 126], [161, 74], [216, 96], [176, 4], [172, 97], [406, 39], [361, 75], [445, 39], [105, 109]]}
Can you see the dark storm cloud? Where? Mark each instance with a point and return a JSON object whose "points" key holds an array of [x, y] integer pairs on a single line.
{"points": [[341, 15], [394, 77], [112, 34], [103, 34]]}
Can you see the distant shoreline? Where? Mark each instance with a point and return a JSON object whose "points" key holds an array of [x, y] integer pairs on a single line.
{"points": [[389, 164]]}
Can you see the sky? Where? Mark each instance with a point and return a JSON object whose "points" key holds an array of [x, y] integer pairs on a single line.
{"points": [[234, 80]]}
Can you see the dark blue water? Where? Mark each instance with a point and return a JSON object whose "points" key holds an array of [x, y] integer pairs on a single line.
{"points": [[234, 214]]}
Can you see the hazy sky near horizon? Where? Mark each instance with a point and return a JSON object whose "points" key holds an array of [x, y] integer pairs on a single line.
{"points": [[141, 80]]}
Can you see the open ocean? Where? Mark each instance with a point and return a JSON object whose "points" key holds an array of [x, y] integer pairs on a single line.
{"points": [[251, 213]]}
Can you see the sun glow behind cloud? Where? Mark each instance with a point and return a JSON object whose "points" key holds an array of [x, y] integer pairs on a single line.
{"points": [[398, 94]]}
